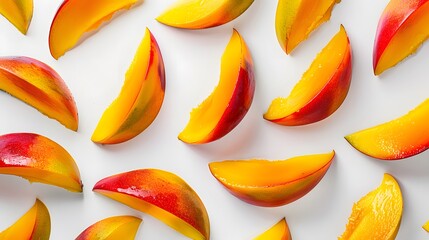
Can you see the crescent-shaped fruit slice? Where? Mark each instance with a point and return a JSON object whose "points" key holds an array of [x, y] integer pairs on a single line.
{"points": [[38, 159], [296, 19], [322, 89], [400, 138], [161, 194], [35, 224], [18, 12], [280, 231], [74, 18], [378, 214], [401, 30], [199, 14], [112, 228], [272, 183], [140, 99], [38, 85], [229, 102]]}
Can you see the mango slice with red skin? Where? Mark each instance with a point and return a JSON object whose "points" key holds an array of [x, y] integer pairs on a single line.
{"points": [[35, 224], [140, 99], [400, 138], [38, 85], [401, 30], [280, 231], [321, 90], [161, 194], [272, 183], [297, 19], [112, 228], [18, 12], [377, 215], [38, 159], [227, 105], [74, 18], [199, 14]]}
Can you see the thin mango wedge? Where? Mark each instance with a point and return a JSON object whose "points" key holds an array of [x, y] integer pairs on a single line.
{"points": [[272, 183], [398, 139], [119, 227], [18, 12], [38, 159], [280, 231], [140, 99], [74, 18], [377, 216], [199, 14], [38, 85]]}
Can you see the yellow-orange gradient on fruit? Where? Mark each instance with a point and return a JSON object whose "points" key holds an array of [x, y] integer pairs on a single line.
{"points": [[140, 99], [321, 90], [38, 159], [38, 85], [161, 194], [426, 226], [272, 183], [280, 231], [35, 224], [74, 18], [401, 30], [198, 14], [403, 137], [18, 12], [296, 19], [378, 215], [119, 227], [227, 105]]}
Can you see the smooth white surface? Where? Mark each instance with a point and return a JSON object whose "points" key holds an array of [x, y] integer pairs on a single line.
{"points": [[94, 72]]}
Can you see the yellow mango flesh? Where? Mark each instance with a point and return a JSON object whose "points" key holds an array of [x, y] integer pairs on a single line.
{"points": [[18, 12], [112, 228], [426, 226], [314, 79], [280, 231], [377, 216]]}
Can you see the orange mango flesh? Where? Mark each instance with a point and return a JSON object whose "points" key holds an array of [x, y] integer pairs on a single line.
{"points": [[140, 99], [162, 195], [296, 19], [401, 31], [18, 12], [35, 224], [272, 183], [198, 14], [76, 17], [38, 159], [400, 138], [426, 226], [314, 80], [205, 119], [280, 231], [40, 86], [120, 227], [378, 214]]}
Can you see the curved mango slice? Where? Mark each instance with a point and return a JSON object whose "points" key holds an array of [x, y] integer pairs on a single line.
{"points": [[35, 224], [161, 194], [74, 18], [38, 85], [272, 183], [280, 231], [112, 228], [140, 99], [199, 14], [223, 110], [322, 89], [377, 215], [401, 30], [18, 12], [400, 138], [296, 19], [38, 159]]}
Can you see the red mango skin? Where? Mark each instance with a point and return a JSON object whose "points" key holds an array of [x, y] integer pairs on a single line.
{"points": [[161, 189], [46, 159], [396, 14]]}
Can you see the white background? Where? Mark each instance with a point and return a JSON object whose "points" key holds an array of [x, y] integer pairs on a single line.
{"points": [[94, 72]]}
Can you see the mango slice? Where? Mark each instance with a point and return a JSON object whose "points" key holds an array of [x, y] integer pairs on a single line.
{"points": [[18, 12], [112, 228]]}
